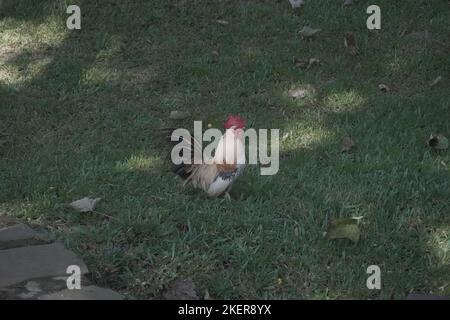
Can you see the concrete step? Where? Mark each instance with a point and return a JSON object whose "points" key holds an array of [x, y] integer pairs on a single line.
{"points": [[85, 293], [30, 268], [26, 263]]}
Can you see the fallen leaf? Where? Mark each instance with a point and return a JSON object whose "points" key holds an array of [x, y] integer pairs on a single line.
{"points": [[384, 87], [207, 296], [285, 136], [305, 63], [438, 142], [215, 56], [178, 115], [223, 22], [347, 144], [313, 61], [419, 35], [343, 228], [350, 44], [85, 205], [301, 62], [308, 32], [296, 3], [436, 81], [180, 289], [297, 93], [402, 33]]}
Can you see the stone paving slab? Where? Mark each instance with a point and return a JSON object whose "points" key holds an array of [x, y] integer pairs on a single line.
{"points": [[25, 263], [85, 293], [33, 288], [30, 268], [6, 221], [17, 232]]}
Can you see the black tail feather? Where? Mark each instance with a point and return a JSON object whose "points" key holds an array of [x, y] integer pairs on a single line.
{"points": [[182, 170]]}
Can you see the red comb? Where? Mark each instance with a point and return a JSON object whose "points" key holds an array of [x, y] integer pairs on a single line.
{"points": [[236, 121]]}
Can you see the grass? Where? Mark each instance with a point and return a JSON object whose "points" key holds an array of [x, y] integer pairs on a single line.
{"points": [[80, 112]]}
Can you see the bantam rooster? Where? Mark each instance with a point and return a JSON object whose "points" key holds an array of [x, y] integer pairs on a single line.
{"points": [[216, 176]]}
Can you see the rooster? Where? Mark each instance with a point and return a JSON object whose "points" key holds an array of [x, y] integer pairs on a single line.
{"points": [[216, 175]]}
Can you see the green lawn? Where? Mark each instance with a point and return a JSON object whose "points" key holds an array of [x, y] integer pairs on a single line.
{"points": [[80, 113]]}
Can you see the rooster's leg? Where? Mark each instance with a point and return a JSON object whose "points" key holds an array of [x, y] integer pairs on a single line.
{"points": [[227, 196]]}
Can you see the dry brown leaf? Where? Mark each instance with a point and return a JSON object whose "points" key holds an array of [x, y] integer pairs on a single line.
{"points": [[384, 87], [215, 55], [350, 44], [347, 144], [178, 115], [296, 3], [313, 61], [180, 289], [297, 93], [436, 81], [419, 35], [305, 63], [308, 32], [222, 22], [85, 205], [207, 295], [301, 62], [344, 228], [438, 142]]}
